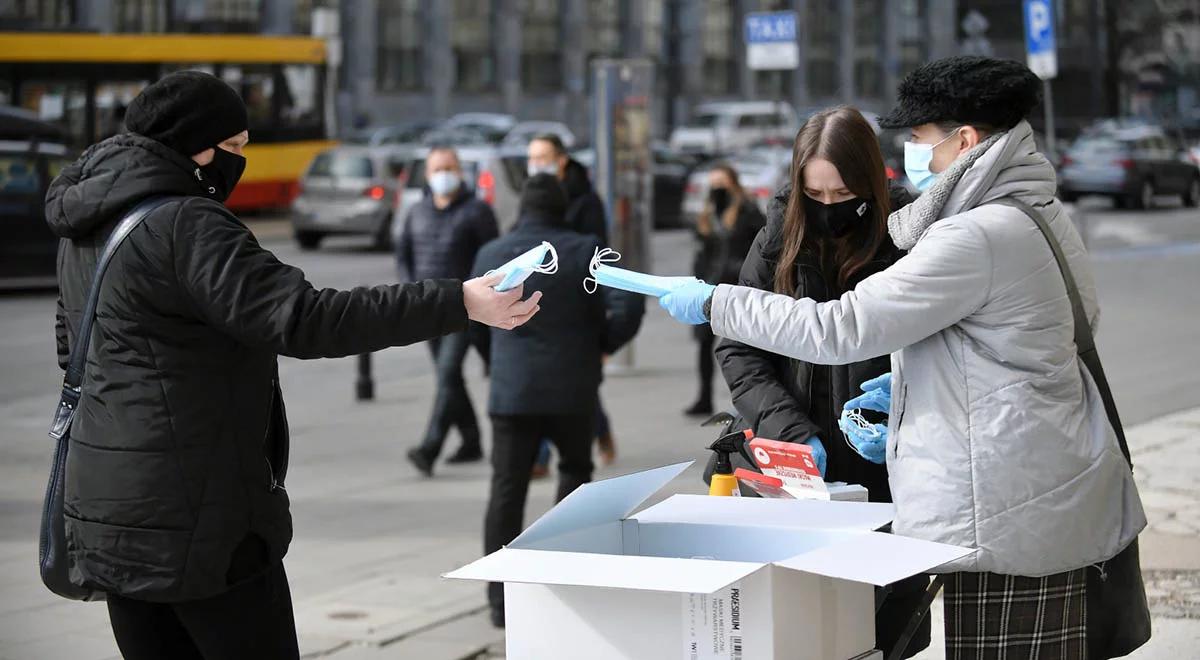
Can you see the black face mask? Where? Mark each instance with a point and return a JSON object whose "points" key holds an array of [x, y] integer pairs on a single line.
{"points": [[836, 220], [222, 174], [720, 199]]}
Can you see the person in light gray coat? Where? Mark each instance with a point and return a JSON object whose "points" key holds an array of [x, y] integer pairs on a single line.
{"points": [[997, 436]]}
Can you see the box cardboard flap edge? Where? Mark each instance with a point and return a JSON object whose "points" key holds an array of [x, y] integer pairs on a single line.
{"points": [[856, 558], [583, 569], [763, 512], [599, 502]]}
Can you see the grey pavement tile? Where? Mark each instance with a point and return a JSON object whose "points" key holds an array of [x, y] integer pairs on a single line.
{"points": [[72, 645]]}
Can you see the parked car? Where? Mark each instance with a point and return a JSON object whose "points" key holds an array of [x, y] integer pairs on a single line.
{"points": [[1132, 166], [492, 125], [761, 172], [408, 133], [32, 153], [522, 133], [733, 126], [347, 190]]}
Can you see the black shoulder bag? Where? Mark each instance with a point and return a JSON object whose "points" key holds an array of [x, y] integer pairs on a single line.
{"points": [[1118, 616], [52, 545]]}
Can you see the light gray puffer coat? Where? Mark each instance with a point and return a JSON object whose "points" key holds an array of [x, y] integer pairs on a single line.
{"points": [[998, 439]]}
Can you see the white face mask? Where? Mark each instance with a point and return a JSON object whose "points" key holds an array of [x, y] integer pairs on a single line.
{"points": [[548, 168], [444, 182], [521, 267]]}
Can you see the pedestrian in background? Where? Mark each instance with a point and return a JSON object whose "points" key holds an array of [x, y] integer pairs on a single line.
{"points": [[725, 230], [440, 239], [826, 232], [585, 214], [545, 377], [174, 500]]}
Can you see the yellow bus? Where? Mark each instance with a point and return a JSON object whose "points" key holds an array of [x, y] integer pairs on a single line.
{"points": [[84, 82]]}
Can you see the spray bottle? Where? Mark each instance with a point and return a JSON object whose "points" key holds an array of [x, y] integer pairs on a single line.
{"points": [[723, 482]]}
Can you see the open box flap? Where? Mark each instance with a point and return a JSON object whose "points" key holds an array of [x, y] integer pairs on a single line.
{"points": [[873, 557], [763, 512], [703, 576], [599, 502]]}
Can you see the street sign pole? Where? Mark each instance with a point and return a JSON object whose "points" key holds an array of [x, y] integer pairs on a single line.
{"points": [[1042, 56]]}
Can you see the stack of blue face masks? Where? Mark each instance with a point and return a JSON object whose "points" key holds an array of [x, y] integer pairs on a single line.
{"points": [[628, 280], [533, 261]]}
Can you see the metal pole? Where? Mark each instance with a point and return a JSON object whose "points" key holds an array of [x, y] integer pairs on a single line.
{"points": [[364, 387], [1048, 105]]}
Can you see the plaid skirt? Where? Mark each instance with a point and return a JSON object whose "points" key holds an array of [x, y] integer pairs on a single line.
{"points": [[1007, 617]]}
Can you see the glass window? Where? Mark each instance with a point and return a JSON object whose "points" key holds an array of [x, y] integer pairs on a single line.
{"points": [[6, 92], [541, 45], [823, 39], [112, 99], [334, 164], [868, 48], [256, 84], [62, 103], [912, 37], [18, 175], [603, 34], [300, 96], [474, 52], [401, 61], [652, 29], [773, 84], [720, 68], [36, 14], [218, 15], [140, 16]]}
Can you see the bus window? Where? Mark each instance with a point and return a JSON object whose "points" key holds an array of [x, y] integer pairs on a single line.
{"points": [[112, 99], [62, 103], [299, 97], [257, 87], [5, 92]]}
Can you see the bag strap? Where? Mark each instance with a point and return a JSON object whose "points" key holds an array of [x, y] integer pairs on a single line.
{"points": [[1085, 343], [79, 350]]}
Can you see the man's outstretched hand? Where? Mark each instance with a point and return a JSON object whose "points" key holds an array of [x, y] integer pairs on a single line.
{"points": [[499, 309]]}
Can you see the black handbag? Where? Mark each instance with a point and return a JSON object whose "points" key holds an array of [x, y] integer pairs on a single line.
{"points": [[1118, 615], [52, 544]]}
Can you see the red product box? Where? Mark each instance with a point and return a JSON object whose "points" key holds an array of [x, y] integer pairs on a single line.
{"points": [[792, 464]]}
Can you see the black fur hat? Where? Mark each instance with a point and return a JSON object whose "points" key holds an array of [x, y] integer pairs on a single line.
{"points": [[967, 89]]}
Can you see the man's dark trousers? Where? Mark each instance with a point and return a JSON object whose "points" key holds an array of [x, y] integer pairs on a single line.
{"points": [[515, 441], [452, 405]]}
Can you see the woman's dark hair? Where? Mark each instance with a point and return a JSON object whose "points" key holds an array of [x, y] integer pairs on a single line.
{"points": [[844, 138], [704, 223]]}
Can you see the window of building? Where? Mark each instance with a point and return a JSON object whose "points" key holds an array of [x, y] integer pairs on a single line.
{"points": [[824, 36], [912, 37], [474, 51], [602, 34], [216, 16], [541, 45], [868, 48], [139, 16], [401, 61], [36, 14], [720, 66], [653, 21], [302, 13]]}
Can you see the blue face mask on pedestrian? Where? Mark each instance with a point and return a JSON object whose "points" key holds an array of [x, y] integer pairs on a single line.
{"points": [[916, 162], [520, 268]]}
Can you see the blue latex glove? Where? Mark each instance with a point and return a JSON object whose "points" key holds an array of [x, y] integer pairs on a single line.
{"points": [[870, 442], [819, 454], [877, 395], [686, 302]]}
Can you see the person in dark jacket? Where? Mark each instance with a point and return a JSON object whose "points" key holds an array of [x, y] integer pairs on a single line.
{"points": [[585, 209], [440, 239], [725, 229], [545, 376], [175, 498], [826, 231]]}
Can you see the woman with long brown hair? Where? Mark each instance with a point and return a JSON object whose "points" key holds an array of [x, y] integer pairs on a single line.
{"points": [[826, 232], [725, 230]]}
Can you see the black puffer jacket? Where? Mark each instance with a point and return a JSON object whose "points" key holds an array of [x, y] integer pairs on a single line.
{"points": [[585, 209], [722, 251], [790, 400], [551, 365], [442, 243], [178, 452]]}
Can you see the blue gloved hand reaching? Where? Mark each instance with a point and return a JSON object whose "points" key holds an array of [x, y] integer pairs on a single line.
{"points": [[868, 440], [686, 302], [818, 453], [877, 395]]}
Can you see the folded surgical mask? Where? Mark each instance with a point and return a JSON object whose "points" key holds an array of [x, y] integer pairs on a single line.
{"points": [[853, 423], [533, 261], [656, 286]]}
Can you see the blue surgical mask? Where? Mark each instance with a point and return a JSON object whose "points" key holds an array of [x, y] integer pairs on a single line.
{"points": [[532, 261], [655, 286], [444, 182], [916, 162], [547, 168]]}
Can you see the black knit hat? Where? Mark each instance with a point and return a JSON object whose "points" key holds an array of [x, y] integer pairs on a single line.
{"points": [[189, 111], [543, 194], [967, 89]]}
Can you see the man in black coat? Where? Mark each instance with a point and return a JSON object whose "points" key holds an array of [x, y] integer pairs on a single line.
{"points": [[440, 239], [174, 497], [545, 376], [585, 210]]}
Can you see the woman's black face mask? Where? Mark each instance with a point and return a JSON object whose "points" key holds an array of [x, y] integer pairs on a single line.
{"points": [[836, 219]]}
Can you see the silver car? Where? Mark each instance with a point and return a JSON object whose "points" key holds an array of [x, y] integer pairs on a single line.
{"points": [[348, 190]]}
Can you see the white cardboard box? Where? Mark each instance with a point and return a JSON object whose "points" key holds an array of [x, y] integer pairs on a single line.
{"points": [[697, 577]]}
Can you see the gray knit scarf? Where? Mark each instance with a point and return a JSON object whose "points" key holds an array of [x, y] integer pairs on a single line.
{"points": [[908, 224]]}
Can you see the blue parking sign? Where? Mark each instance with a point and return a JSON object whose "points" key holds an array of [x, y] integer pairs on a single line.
{"points": [[771, 40], [1040, 48]]}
